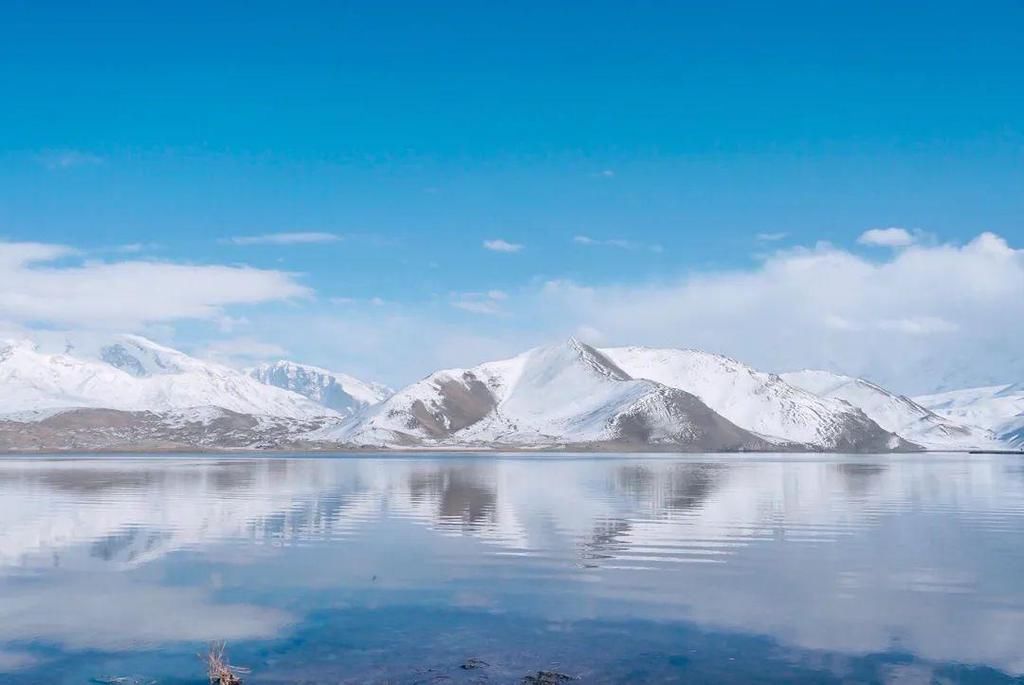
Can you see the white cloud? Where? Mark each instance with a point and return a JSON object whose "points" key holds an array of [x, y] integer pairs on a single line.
{"points": [[912, 325], [299, 238], [918, 325], [616, 242], [47, 284], [134, 248], [840, 323], [56, 160], [228, 324], [499, 245], [476, 306], [13, 255], [242, 352], [480, 303], [887, 237], [375, 301], [828, 307]]}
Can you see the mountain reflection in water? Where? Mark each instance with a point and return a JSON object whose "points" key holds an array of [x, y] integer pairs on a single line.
{"points": [[365, 569]]}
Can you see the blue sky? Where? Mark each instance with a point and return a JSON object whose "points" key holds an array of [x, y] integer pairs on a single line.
{"points": [[621, 145]]}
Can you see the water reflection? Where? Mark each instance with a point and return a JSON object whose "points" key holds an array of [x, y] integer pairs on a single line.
{"points": [[918, 555], [464, 497]]}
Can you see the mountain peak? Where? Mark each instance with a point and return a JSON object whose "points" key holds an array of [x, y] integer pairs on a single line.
{"points": [[563, 394], [596, 360], [340, 392]]}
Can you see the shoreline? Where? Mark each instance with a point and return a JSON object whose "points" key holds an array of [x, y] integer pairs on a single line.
{"points": [[384, 451]]}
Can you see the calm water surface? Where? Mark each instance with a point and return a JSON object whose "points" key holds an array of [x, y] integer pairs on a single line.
{"points": [[611, 569]]}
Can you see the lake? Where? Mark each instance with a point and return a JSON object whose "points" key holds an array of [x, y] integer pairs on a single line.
{"points": [[456, 568]]}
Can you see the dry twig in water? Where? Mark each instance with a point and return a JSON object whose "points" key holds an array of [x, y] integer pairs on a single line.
{"points": [[219, 670]]}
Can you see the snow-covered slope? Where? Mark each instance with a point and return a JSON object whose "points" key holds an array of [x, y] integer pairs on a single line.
{"points": [[760, 402], [893, 412], [567, 394], [999, 409], [132, 373], [338, 391]]}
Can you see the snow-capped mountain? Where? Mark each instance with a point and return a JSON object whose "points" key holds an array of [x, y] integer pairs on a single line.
{"points": [[131, 373], [999, 409], [893, 412], [569, 394], [131, 393], [337, 391], [760, 402]]}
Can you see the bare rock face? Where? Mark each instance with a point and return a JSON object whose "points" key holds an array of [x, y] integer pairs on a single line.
{"points": [[119, 357], [461, 403], [700, 428]]}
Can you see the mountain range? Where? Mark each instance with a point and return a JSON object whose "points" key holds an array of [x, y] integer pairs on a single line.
{"points": [[130, 393]]}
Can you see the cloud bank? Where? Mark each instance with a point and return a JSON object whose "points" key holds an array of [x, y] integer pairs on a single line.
{"points": [[926, 316], [920, 318], [917, 319], [45, 284]]}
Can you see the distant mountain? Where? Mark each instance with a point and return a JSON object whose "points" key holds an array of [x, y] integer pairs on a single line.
{"points": [[337, 391], [760, 402], [128, 392], [893, 412], [564, 395], [131, 373], [999, 409]]}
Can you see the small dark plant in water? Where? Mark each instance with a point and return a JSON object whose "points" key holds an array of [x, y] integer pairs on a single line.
{"points": [[218, 668], [473, 664], [547, 678]]}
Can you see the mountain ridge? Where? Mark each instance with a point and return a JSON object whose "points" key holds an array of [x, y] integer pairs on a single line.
{"points": [[758, 401], [130, 391], [157, 378], [897, 413], [999, 409]]}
